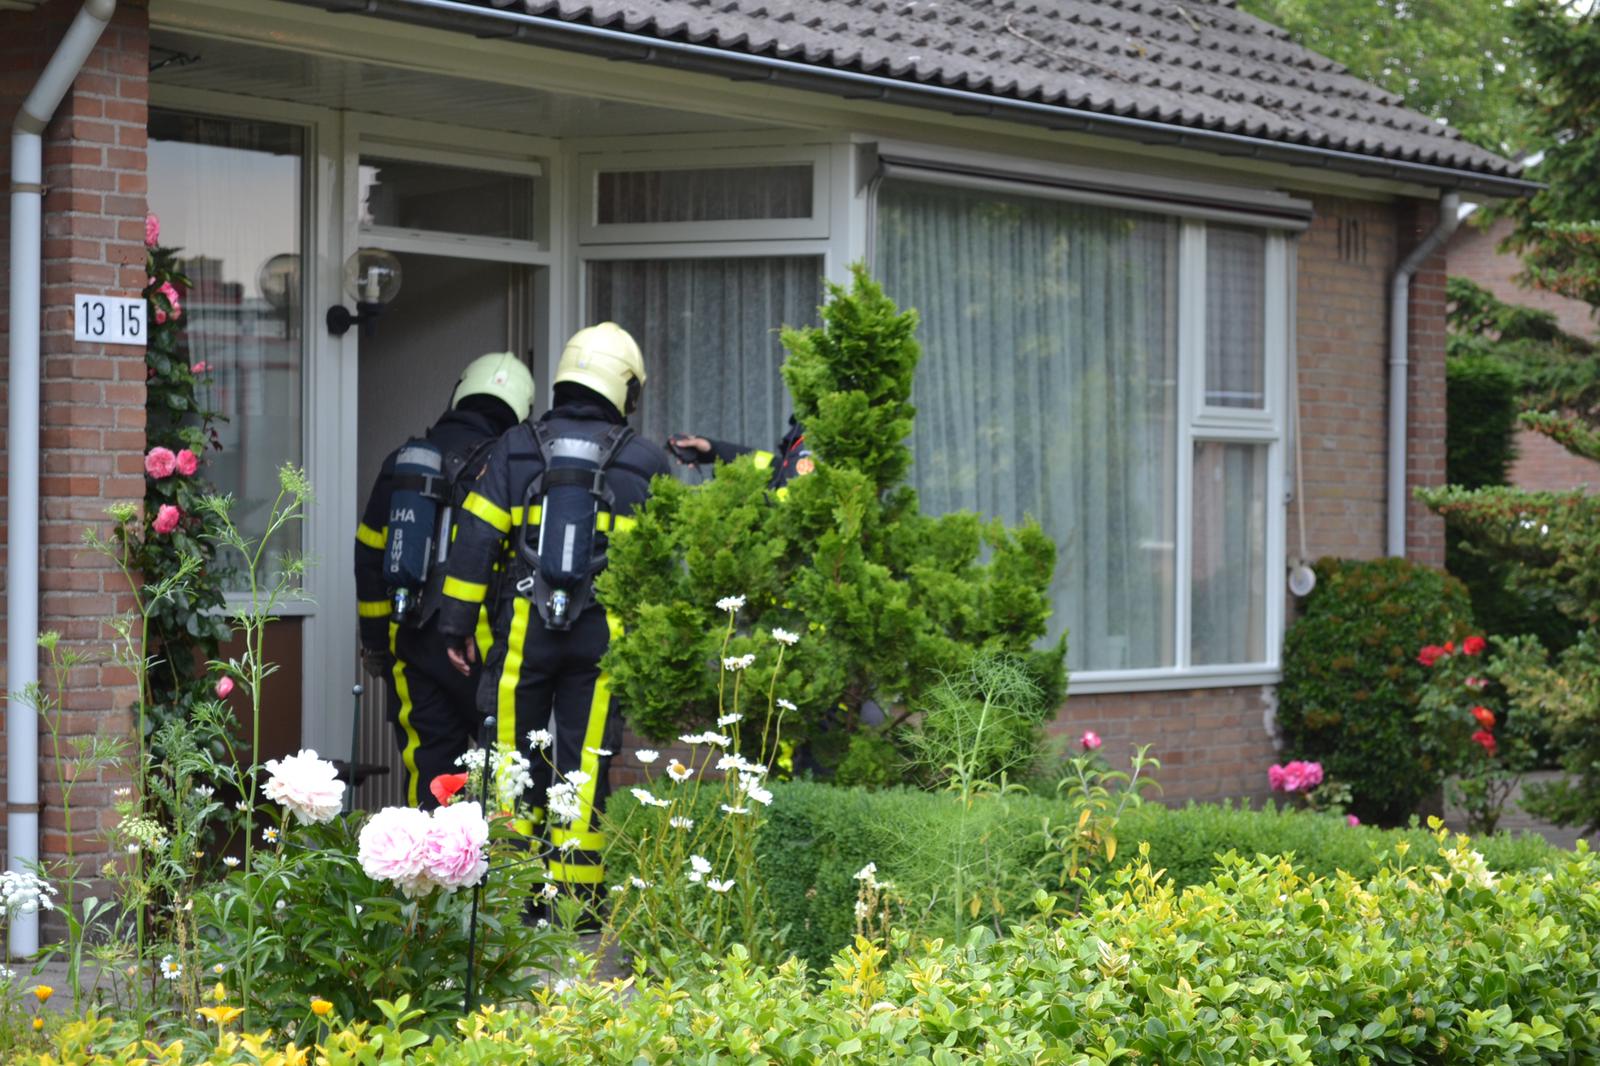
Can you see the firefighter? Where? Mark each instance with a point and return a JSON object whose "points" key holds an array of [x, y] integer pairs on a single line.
{"points": [[432, 707], [792, 458], [549, 498]]}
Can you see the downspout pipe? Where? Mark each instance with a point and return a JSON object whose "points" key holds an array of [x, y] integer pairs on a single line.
{"points": [[22, 445], [1400, 363]]}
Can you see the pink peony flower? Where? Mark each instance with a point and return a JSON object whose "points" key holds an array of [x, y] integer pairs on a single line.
{"points": [[393, 846], [224, 687], [152, 231], [201, 367], [188, 463], [454, 853], [1295, 776], [161, 316], [1351, 819], [166, 519], [172, 298], [1090, 740], [1275, 777], [160, 462], [306, 785]]}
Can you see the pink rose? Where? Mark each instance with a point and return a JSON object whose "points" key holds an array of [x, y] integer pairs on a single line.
{"points": [[166, 519], [1090, 740], [1351, 819], [152, 231], [172, 297], [161, 316], [188, 462], [224, 686], [393, 846], [201, 367], [454, 852], [160, 463]]}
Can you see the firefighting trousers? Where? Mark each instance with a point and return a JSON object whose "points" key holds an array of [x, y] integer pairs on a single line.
{"points": [[538, 678], [432, 708]]}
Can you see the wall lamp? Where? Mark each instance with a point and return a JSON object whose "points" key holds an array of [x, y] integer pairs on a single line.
{"points": [[372, 278]]}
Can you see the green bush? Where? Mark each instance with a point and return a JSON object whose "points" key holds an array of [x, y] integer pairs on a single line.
{"points": [[1434, 959], [1482, 403], [1351, 680]]}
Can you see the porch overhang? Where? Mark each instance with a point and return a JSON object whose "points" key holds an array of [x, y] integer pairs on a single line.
{"points": [[621, 45]]}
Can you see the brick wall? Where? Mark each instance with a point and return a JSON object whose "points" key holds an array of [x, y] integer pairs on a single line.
{"points": [[92, 412], [1425, 442], [1543, 465]]}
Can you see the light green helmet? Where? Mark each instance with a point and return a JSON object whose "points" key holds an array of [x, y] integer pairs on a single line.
{"points": [[501, 375]]}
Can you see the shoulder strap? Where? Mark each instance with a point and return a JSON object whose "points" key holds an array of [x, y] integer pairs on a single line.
{"points": [[617, 437]]}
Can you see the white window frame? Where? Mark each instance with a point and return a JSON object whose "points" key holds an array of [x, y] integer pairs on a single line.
{"points": [[591, 165], [1197, 422]]}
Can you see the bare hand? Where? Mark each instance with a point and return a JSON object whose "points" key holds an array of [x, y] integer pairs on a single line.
{"points": [[688, 448], [464, 657]]}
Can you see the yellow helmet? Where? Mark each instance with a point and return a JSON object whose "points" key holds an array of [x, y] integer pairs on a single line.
{"points": [[501, 375], [606, 359]]}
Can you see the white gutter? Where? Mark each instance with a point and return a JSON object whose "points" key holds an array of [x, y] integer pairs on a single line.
{"points": [[1399, 363], [22, 446]]}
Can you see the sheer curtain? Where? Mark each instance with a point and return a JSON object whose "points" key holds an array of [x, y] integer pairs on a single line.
{"points": [[1235, 317], [202, 170], [1048, 387], [1228, 569], [709, 331]]}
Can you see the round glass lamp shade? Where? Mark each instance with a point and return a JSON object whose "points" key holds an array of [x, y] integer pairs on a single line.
{"points": [[279, 280], [372, 276]]}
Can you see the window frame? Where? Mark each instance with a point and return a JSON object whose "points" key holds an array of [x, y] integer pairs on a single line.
{"points": [[1197, 422]]}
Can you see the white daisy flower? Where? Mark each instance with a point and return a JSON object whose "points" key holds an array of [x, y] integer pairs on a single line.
{"points": [[730, 603], [577, 777], [736, 810], [270, 835], [721, 740], [549, 891], [570, 844], [122, 793], [204, 791], [133, 849], [678, 821], [542, 923], [646, 755], [787, 706], [730, 719], [219, 969], [171, 968], [602, 752], [243, 806], [539, 739], [719, 886], [280, 905], [698, 868], [738, 662], [641, 883], [229, 861], [679, 772], [750, 785], [648, 799], [786, 638]]}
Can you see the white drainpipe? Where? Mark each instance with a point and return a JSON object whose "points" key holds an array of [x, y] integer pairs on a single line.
{"points": [[22, 445], [1399, 363]]}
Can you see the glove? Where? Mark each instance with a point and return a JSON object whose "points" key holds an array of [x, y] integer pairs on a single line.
{"points": [[377, 662]]}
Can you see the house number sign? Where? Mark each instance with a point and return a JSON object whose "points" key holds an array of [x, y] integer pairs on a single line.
{"points": [[108, 319]]}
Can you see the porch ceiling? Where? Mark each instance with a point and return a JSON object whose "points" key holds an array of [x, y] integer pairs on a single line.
{"points": [[372, 88]]}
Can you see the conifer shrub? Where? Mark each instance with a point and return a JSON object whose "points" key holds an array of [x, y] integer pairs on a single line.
{"points": [[1352, 682], [885, 600]]}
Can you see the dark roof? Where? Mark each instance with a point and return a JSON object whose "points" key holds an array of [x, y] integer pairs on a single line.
{"points": [[1196, 64]]}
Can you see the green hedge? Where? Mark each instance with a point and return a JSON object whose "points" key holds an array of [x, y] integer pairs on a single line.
{"points": [[1436, 960], [1351, 679], [1482, 401]]}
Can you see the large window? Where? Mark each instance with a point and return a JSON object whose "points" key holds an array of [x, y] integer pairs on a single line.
{"points": [[1109, 372], [245, 305]]}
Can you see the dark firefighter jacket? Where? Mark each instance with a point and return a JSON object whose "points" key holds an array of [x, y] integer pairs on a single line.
{"points": [[458, 432], [486, 531], [791, 460]]}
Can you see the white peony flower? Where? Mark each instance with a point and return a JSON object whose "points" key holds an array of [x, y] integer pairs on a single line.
{"points": [[730, 603], [306, 785], [646, 756], [393, 847], [786, 638]]}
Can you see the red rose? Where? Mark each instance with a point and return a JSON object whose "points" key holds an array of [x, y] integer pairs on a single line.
{"points": [[1450, 647], [1484, 716], [1485, 739], [446, 785], [1474, 645], [1430, 654]]}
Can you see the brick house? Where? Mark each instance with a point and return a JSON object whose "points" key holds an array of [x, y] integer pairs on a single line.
{"points": [[1155, 247], [1473, 252]]}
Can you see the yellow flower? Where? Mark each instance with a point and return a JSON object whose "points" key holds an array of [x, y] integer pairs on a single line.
{"points": [[221, 1015], [43, 992], [219, 993], [321, 1007], [38, 1025]]}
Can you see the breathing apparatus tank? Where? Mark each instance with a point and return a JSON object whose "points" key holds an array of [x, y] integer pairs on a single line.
{"points": [[413, 522]]}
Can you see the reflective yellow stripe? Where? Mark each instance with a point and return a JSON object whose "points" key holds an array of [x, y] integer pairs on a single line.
{"points": [[372, 608], [484, 636], [498, 517], [466, 591], [505, 708], [586, 840], [534, 514], [606, 522], [763, 460], [574, 873], [523, 826], [402, 691], [372, 538], [593, 737]]}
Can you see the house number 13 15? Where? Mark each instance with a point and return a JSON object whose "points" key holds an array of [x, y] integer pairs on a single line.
{"points": [[108, 319]]}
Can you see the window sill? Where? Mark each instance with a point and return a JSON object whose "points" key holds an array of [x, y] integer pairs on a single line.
{"points": [[1104, 682]]}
